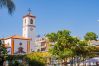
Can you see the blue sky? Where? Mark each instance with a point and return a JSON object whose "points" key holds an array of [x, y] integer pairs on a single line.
{"points": [[78, 16]]}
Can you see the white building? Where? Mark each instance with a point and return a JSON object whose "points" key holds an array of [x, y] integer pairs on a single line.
{"points": [[22, 44], [41, 44]]}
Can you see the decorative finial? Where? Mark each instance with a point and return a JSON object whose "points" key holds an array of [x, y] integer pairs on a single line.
{"points": [[29, 10]]}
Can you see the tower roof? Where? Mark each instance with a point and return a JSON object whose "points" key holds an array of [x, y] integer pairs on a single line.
{"points": [[29, 14]]}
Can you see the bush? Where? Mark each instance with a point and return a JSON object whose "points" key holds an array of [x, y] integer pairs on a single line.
{"points": [[37, 58]]}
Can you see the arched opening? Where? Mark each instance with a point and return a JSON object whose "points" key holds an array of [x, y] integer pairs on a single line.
{"points": [[31, 21]]}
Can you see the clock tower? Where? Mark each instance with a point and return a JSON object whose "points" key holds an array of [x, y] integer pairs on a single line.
{"points": [[29, 29]]}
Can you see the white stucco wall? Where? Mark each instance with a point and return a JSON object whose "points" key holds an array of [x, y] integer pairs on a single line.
{"points": [[38, 45], [8, 42], [17, 45], [28, 33], [27, 26]]}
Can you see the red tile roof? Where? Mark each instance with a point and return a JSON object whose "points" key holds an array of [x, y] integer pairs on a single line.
{"points": [[29, 15], [16, 37]]}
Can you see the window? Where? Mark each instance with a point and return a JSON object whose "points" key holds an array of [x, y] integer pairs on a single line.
{"points": [[31, 21], [8, 44], [25, 21], [42, 43]]}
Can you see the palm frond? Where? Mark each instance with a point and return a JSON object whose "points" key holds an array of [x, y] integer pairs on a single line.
{"points": [[9, 4]]}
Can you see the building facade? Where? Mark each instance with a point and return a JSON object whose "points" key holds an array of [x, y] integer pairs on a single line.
{"points": [[42, 44], [22, 44], [17, 44], [29, 29]]}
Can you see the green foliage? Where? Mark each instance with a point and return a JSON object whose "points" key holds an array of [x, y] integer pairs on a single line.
{"points": [[90, 36], [81, 49], [62, 44], [14, 60], [33, 59], [37, 58], [15, 57], [67, 46], [16, 63], [53, 37], [9, 4], [3, 53]]}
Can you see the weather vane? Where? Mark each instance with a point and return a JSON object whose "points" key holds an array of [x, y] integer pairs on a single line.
{"points": [[29, 10]]}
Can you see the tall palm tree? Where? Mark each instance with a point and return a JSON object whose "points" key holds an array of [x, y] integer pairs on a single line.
{"points": [[9, 4]]}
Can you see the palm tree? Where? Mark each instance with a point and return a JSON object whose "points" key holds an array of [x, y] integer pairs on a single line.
{"points": [[8, 4]]}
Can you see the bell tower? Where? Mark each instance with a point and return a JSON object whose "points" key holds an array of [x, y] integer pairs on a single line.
{"points": [[29, 28]]}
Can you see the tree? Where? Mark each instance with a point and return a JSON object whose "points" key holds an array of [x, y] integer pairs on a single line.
{"points": [[68, 47], [90, 36], [3, 53], [8, 4], [63, 44]]}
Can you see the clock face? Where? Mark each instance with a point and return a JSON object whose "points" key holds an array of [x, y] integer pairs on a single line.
{"points": [[31, 28]]}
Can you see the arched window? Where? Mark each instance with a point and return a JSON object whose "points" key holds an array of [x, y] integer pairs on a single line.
{"points": [[31, 21], [25, 21]]}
